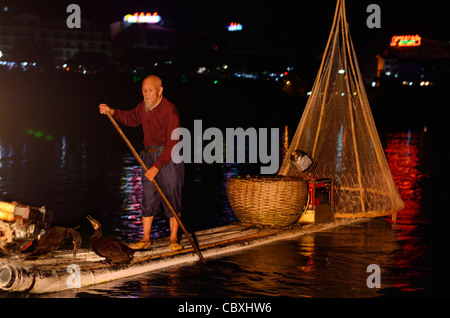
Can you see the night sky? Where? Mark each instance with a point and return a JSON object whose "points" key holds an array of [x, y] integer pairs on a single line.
{"points": [[306, 22]]}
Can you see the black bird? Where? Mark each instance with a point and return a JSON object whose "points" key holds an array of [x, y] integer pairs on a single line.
{"points": [[112, 249], [53, 239]]}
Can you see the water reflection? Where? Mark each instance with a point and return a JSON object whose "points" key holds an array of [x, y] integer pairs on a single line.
{"points": [[5, 164], [131, 195], [338, 259], [404, 152], [403, 155], [67, 174]]}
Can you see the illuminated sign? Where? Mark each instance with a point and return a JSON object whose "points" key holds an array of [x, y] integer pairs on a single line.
{"points": [[142, 18], [406, 40], [234, 27]]}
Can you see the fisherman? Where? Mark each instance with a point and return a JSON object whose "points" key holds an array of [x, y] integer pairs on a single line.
{"points": [[158, 117]]}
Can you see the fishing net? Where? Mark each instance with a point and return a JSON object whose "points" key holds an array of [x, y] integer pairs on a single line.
{"points": [[338, 132]]}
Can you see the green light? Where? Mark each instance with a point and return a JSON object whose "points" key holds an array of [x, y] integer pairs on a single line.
{"points": [[38, 134], [216, 81]]}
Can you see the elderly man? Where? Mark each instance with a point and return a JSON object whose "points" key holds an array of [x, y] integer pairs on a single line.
{"points": [[158, 118]]}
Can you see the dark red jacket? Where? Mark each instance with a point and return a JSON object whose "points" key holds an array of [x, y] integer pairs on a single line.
{"points": [[157, 126]]}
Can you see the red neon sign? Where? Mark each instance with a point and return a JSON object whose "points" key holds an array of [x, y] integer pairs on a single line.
{"points": [[406, 40]]}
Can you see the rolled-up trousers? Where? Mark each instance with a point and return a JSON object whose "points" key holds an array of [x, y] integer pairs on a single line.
{"points": [[170, 179]]}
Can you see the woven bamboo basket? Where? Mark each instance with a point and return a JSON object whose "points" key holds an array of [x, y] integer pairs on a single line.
{"points": [[268, 200]]}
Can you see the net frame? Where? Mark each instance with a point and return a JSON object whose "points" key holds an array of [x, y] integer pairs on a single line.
{"points": [[355, 160]]}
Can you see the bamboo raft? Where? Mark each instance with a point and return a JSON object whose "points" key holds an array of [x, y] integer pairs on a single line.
{"points": [[52, 274]]}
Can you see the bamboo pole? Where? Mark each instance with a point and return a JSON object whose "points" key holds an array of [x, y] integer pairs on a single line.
{"points": [[333, 26], [322, 107], [136, 155], [352, 119]]}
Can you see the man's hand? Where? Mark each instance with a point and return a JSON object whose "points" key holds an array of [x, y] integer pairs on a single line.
{"points": [[151, 173], [105, 109]]}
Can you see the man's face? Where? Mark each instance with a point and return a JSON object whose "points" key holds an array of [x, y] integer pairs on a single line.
{"points": [[151, 92]]}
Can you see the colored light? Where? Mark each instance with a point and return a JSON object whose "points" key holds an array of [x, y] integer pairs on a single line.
{"points": [[142, 18], [406, 40], [234, 27], [38, 134]]}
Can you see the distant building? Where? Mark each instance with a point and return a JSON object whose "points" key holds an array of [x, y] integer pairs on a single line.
{"points": [[27, 36], [414, 60], [160, 40]]}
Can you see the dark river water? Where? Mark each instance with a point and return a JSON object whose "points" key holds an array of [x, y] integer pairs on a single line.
{"points": [[77, 169]]}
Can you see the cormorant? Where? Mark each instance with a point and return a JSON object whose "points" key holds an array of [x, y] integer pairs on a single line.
{"points": [[110, 248], [53, 239]]}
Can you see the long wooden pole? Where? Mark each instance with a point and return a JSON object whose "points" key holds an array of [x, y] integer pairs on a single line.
{"points": [[136, 155]]}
